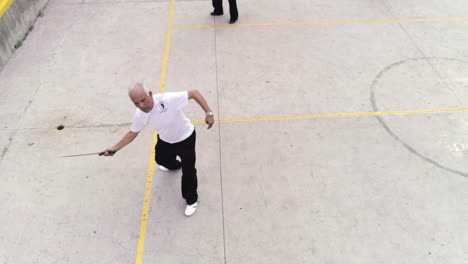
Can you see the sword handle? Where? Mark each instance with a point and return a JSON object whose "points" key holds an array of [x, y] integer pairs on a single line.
{"points": [[111, 152]]}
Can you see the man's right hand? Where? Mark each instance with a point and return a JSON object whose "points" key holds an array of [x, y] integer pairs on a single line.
{"points": [[108, 152], [129, 137]]}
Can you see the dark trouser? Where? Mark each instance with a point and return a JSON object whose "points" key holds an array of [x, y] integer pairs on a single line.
{"points": [[166, 156], [218, 8]]}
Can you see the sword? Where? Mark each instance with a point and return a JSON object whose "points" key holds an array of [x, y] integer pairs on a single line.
{"points": [[112, 152]]}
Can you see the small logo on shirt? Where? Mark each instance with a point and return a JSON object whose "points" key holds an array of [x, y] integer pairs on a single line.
{"points": [[161, 106]]}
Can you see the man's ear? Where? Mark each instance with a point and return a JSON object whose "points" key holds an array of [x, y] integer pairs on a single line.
{"points": [[150, 93]]}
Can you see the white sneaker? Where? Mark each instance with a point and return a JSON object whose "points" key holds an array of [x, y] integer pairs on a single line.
{"points": [[162, 168], [191, 209]]}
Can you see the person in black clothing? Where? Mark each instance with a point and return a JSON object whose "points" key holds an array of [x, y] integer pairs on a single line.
{"points": [[218, 10], [163, 113]]}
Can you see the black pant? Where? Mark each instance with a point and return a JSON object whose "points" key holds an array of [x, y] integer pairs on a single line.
{"points": [[218, 8], [166, 156]]}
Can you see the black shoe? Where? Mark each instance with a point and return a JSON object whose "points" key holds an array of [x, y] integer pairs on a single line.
{"points": [[215, 13], [232, 21]]}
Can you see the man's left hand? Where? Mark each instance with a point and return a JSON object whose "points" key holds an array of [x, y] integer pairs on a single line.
{"points": [[209, 120]]}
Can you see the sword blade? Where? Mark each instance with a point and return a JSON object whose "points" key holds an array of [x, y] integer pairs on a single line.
{"points": [[78, 155]]}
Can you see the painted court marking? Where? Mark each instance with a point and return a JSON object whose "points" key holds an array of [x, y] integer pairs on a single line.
{"points": [[4, 5], [384, 113], [387, 127], [151, 164], [325, 22]]}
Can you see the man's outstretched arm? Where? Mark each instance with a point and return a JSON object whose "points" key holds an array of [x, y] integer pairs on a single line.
{"points": [[129, 137], [196, 95]]}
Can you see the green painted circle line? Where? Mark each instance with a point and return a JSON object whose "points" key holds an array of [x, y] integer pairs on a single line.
{"points": [[387, 128]]}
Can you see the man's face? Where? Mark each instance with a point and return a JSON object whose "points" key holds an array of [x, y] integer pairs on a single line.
{"points": [[142, 100]]}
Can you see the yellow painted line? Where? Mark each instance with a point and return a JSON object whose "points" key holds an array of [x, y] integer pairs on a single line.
{"points": [[166, 50], [325, 22], [146, 204], [408, 112], [4, 5], [151, 164]]}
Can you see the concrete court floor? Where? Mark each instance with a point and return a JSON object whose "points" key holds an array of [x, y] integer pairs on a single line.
{"points": [[355, 188]]}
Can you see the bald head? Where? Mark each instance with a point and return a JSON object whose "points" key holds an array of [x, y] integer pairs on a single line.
{"points": [[138, 88], [141, 97]]}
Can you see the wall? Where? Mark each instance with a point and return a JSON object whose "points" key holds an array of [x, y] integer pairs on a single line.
{"points": [[15, 23]]}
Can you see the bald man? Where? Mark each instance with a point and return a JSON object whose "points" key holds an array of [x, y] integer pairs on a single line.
{"points": [[176, 134]]}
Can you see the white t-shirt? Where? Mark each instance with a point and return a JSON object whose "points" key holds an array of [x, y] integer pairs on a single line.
{"points": [[166, 117]]}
